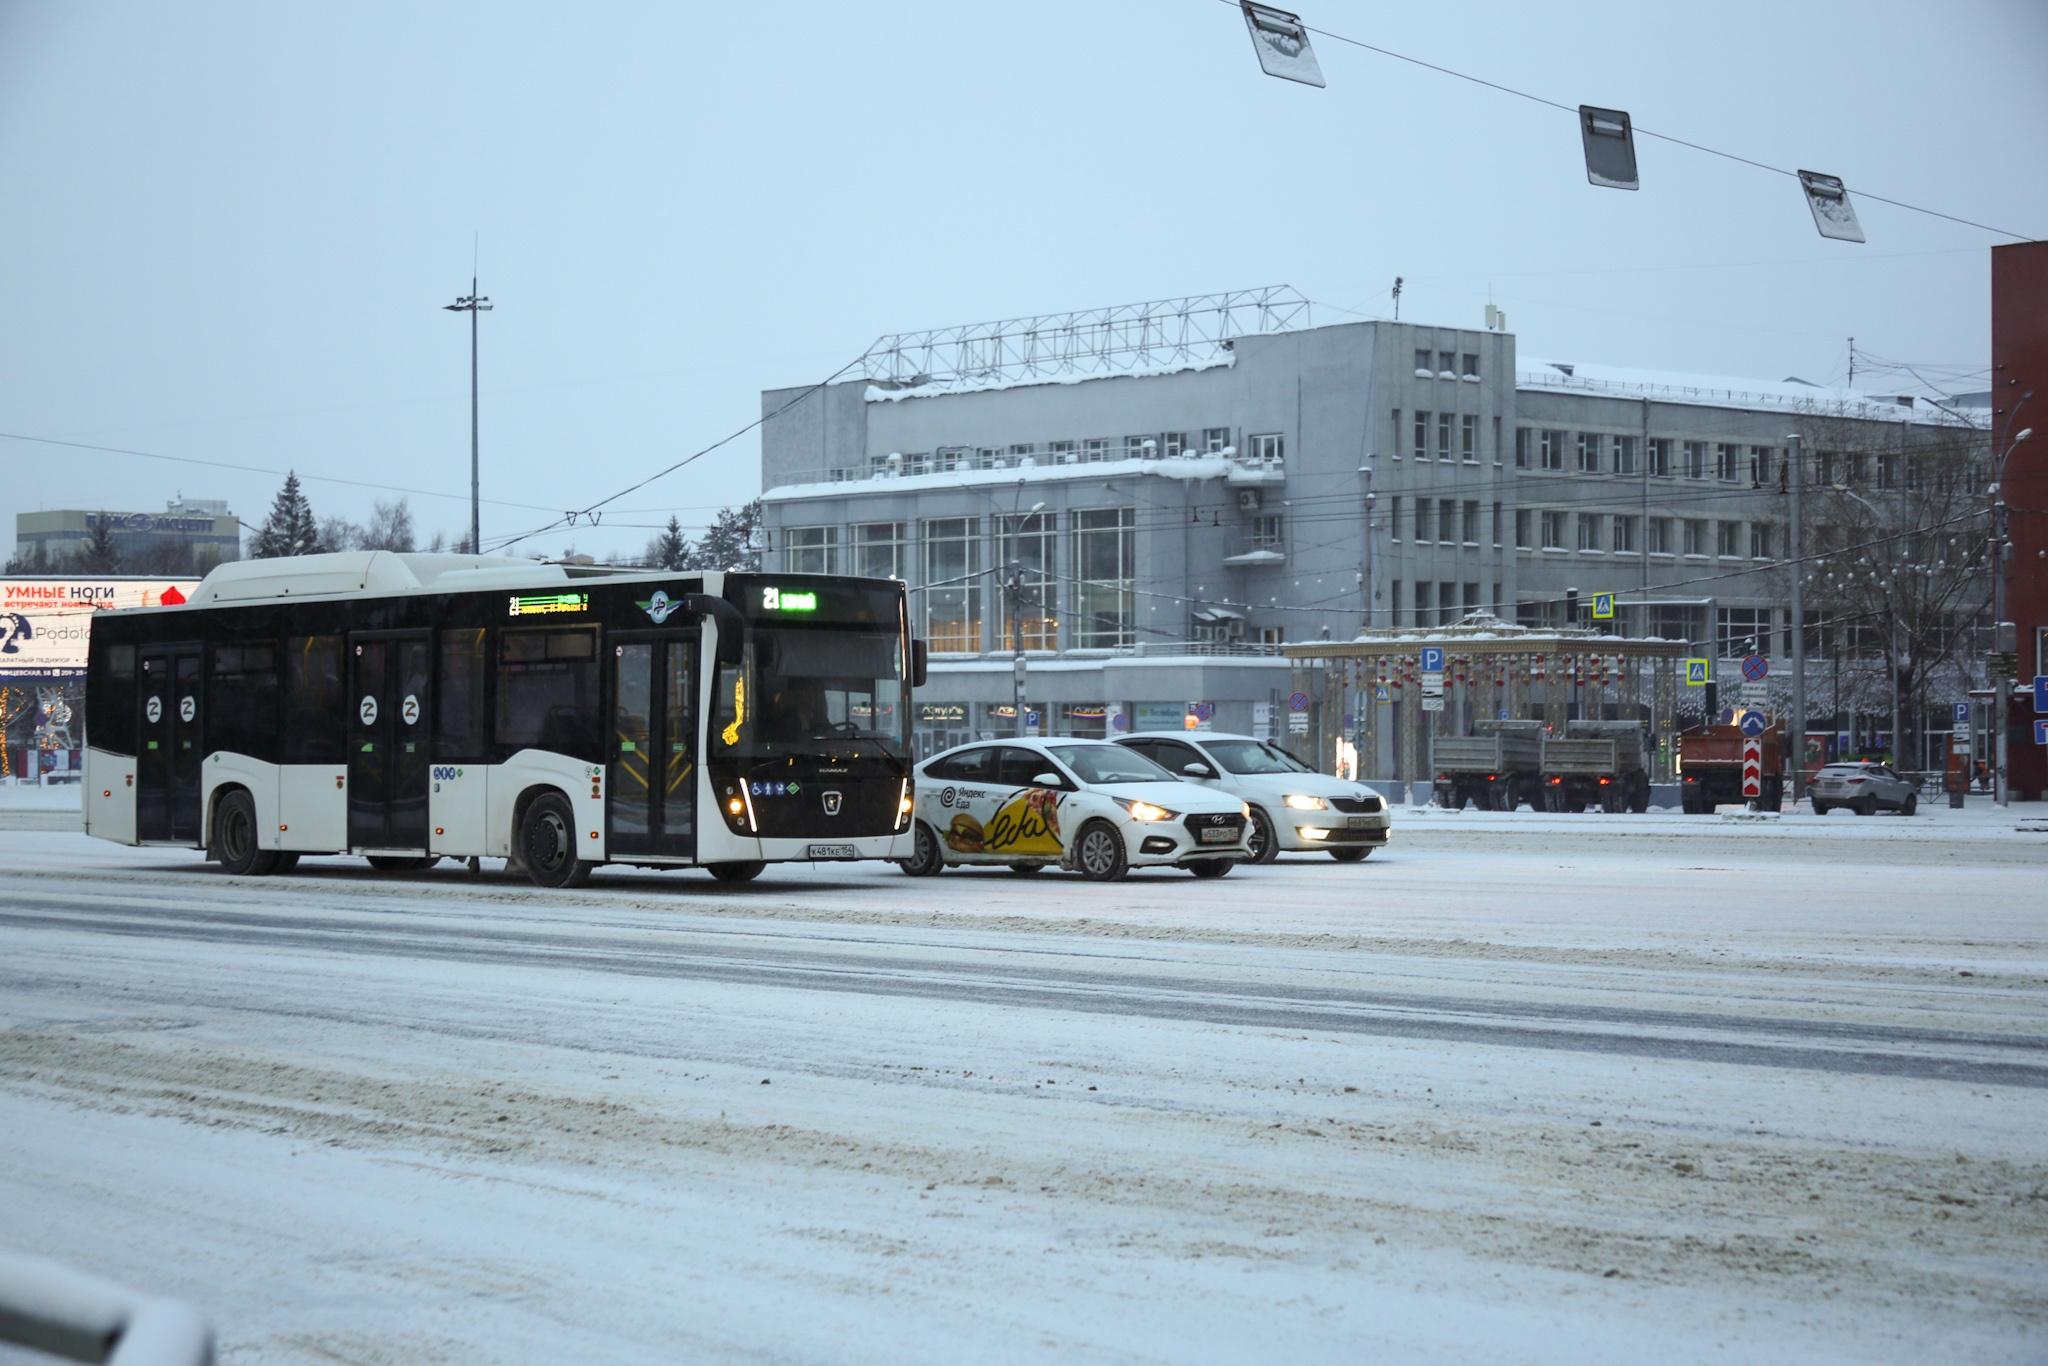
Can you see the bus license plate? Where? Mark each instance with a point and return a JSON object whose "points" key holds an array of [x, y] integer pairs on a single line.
{"points": [[1219, 834], [834, 851]]}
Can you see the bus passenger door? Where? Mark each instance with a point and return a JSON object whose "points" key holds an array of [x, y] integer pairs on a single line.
{"points": [[167, 753], [652, 750], [387, 748]]}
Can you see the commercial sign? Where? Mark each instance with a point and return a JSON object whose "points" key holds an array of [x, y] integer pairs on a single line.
{"points": [[942, 713], [45, 623]]}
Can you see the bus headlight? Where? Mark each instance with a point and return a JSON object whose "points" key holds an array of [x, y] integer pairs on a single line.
{"points": [[903, 806], [1301, 801]]}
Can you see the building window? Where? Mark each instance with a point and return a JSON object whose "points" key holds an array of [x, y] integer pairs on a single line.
{"points": [[1423, 592], [1396, 447], [1026, 542], [1695, 459], [1423, 508], [811, 550], [1421, 435], [1105, 573], [952, 584], [1522, 529], [1214, 439], [1624, 455], [1468, 522], [1725, 462], [1446, 363], [1887, 470], [1447, 604], [1394, 517], [1589, 531], [1422, 362], [1660, 456], [1062, 452], [1742, 631], [1134, 447], [1496, 440], [1268, 531], [1446, 520], [1552, 450], [1759, 466], [1521, 448], [1267, 449], [1696, 536], [1470, 369], [1728, 540], [1589, 453], [1624, 533], [1468, 438], [878, 550], [1660, 536], [1096, 449], [1173, 444], [1470, 601], [1443, 436], [1553, 531], [1759, 540], [1496, 526]]}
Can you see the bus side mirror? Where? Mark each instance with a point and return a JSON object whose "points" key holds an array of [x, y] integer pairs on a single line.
{"points": [[731, 626], [920, 664]]}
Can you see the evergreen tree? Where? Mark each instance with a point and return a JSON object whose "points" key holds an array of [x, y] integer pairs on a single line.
{"points": [[290, 528], [98, 556], [729, 543], [670, 550]]}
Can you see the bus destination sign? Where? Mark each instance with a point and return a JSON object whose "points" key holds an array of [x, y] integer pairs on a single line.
{"points": [[788, 600], [547, 604]]}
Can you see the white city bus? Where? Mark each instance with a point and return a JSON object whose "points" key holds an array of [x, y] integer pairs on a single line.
{"points": [[413, 707]]}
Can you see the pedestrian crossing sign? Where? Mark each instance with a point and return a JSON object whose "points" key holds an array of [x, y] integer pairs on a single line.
{"points": [[1603, 606], [1696, 675]]}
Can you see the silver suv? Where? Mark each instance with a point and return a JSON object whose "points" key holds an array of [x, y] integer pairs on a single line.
{"points": [[1863, 788]]}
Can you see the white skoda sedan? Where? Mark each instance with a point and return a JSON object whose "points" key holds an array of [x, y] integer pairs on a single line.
{"points": [[1293, 807], [1086, 805]]}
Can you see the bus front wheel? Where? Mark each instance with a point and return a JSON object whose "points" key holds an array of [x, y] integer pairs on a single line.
{"points": [[736, 872], [547, 843]]}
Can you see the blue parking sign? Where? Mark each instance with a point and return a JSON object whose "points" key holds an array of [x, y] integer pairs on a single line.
{"points": [[2041, 692], [1432, 659], [1962, 713]]}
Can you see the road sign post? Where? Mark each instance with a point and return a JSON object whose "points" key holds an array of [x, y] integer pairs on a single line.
{"points": [[1752, 765]]}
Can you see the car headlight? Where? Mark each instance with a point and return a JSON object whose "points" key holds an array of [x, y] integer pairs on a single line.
{"points": [[1146, 811], [1301, 801], [1244, 810]]}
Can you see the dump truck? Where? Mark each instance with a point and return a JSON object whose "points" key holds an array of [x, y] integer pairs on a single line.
{"points": [[1596, 763], [1710, 768], [1498, 768]]}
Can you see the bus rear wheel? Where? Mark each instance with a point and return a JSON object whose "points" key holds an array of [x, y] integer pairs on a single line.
{"points": [[745, 871], [547, 843], [234, 838]]}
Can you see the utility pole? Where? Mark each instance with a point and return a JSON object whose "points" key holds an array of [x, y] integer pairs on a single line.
{"points": [[1015, 590], [472, 304], [1798, 559]]}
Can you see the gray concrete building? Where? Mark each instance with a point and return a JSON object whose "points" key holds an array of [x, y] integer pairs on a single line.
{"points": [[1152, 499], [189, 536]]}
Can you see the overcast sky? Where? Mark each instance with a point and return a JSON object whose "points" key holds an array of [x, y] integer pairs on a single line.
{"points": [[230, 228]]}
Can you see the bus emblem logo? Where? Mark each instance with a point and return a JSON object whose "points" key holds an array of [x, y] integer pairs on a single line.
{"points": [[660, 607], [832, 800]]}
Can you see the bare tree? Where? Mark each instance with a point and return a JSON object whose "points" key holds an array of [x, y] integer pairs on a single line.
{"points": [[389, 528]]}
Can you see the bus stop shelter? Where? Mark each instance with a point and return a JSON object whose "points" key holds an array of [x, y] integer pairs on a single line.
{"points": [[1365, 705]]}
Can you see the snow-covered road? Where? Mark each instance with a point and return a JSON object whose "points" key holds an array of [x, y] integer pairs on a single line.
{"points": [[1520, 1088]]}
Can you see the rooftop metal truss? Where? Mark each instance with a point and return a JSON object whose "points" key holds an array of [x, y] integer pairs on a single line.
{"points": [[1123, 337]]}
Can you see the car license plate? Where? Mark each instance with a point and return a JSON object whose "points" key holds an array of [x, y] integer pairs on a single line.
{"points": [[1357, 822], [1219, 834], [834, 851]]}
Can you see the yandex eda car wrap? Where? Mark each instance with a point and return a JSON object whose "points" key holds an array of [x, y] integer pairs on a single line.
{"points": [[1085, 805], [1292, 806]]}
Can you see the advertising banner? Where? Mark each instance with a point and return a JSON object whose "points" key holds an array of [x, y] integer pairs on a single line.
{"points": [[45, 622]]}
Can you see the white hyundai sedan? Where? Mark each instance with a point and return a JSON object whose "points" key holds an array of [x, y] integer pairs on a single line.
{"points": [[1293, 807], [1096, 808]]}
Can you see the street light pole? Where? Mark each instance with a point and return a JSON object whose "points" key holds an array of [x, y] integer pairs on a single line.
{"points": [[2002, 700], [1798, 558], [472, 304]]}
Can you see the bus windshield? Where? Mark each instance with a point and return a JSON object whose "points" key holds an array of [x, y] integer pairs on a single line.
{"points": [[813, 689]]}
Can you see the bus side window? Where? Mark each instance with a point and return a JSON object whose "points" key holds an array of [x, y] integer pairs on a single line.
{"points": [[110, 699], [241, 712], [314, 720], [459, 714], [547, 692]]}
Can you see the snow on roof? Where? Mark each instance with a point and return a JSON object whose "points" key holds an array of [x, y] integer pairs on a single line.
{"points": [[1177, 467], [1720, 391], [974, 384]]}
